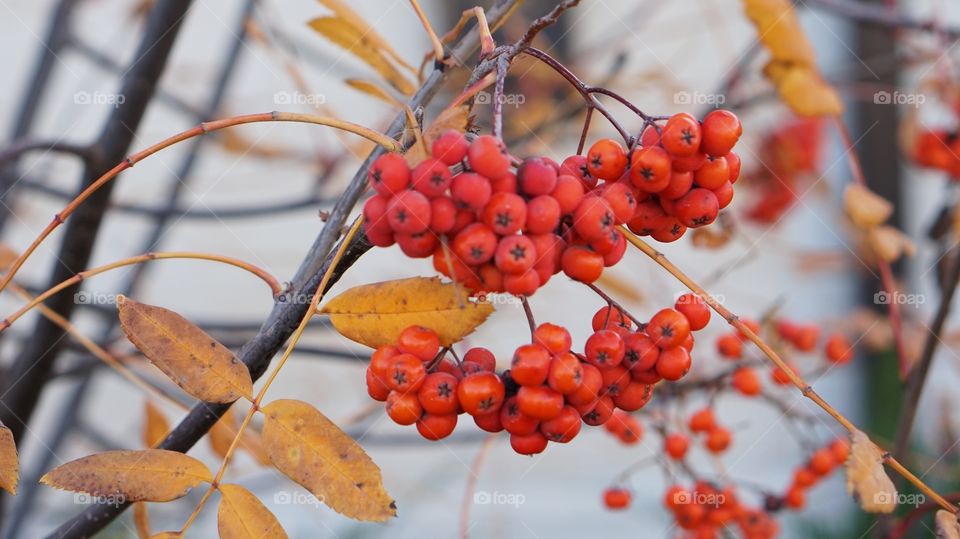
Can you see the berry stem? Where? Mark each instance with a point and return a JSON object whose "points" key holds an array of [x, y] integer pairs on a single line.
{"points": [[529, 313], [770, 353], [614, 303]]}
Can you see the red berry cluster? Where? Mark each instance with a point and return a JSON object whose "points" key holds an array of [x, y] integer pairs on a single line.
{"points": [[823, 461], [685, 173], [938, 149], [498, 224]]}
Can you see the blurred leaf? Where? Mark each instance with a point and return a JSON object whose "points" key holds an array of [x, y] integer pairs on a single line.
{"points": [[141, 519], [310, 449], [889, 244], [867, 481], [195, 361], [242, 516], [148, 475], [9, 461], [371, 89], [342, 10], [376, 314], [155, 425], [947, 525], [865, 208], [341, 32]]}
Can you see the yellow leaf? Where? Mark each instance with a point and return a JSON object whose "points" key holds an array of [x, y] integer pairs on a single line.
{"points": [[356, 42], [807, 94], [242, 516], [148, 475], [155, 427], [9, 462], [141, 519], [778, 28], [865, 208], [352, 18], [866, 479], [889, 244], [947, 525], [310, 449], [375, 314], [195, 361], [372, 89]]}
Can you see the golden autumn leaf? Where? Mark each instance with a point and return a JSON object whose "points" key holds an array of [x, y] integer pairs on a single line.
{"points": [[195, 361], [9, 462], [141, 519], [351, 17], [371, 89], [311, 450], [375, 314], [155, 425], [889, 244], [947, 525], [242, 516], [356, 42], [864, 207], [867, 481], [148, 475], [807, 94]]}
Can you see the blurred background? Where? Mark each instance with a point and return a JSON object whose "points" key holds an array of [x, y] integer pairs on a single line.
{"points": [[256, 193]]}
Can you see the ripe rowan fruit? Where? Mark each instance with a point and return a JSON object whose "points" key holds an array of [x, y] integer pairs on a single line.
{"points": [[487, 156], [599, 412], [673, 363], [680, 184], [593, 218], [419, 245], [604, 349], [675, 445], [699, 207], [780, 376], [481, 356], [475, 244], [590, 384], [381, 361], [724, 194], [389, 174], [481, 393], [408, 212], [522, 284], [702, 420], [795, 498], [489, 422], [671, 230], [633, 396], [681, 135], [615, 380], [840, 449], [721, 131], [621, 200], [505, 213], [406, 373], [606, 159], [438, 394], [565, 373], [436, 427], [419, 341], [746, 381], [568, 193], [515, 254], [554, 338], [730, 346], [582, 264], [376, 388], [616, 498], [530, 444], [650, 169], [530, 365], [443, 215], [609, 317], [543, 215], [694, 309], [450, 147], [640, 352], [516, 422], [576, 166], [803, 478], [431, 177], [562, 428], [668, 328], [718, 439], [838, 349], [470, 191], [539, 402], [403, 408], [714, 173], [535, 177], [822, 462]]}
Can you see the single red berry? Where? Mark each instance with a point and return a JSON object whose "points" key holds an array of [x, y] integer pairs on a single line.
{"points": [[675, 445], [505, 184], [781, 376], [604, 348], [419, 245], [622, 201], [702, 420], [730, 346], [615, 254], [475, 244], [640, 352], [724, 195], [795, 498], [673, 363], [680, 184], [599, 412], [650, 169], [648, 218], [436, 427], [804, 478], [409, 212], [697, 208], [822, 462], [431, 177], [718, 439], [389, 174], [535, 177], [568, 193], [840, 449], [582, 264], [734, 164], [443, 215], [616, 498], [608, 317], [379, 233], [714, 173], [539, 402], [530, 365], [564, 427], [505, 214], [481, 393], [406, 373], [593, 218], [576, 166], [694, 309], [489, 422], [470, 191], [376, 388], [382, 361], [681, 135], [615, 380], [838, 349], [482, 357], [690, 163], [450, 147], [543, 215], [438, 394], [554, 338], [633, 396], [746, 381], [530, 444], [516, 422], [419, 341], [487, 156], [590, 384], [515, 254], [721, 131], [606, 159], [403, 408], [671, 229], [522, 284], [565, 375], [668, 328]]}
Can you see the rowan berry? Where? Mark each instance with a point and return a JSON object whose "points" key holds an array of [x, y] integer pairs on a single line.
{"points": [[640, 352], [516, 422], [606, 159], [504, 184], [450, 147], [475, 244], [565, 374], [721, 131], [668, 328], [582, 264], [750, 324], [491, 278], [730, 346], [438, 394], [431, 177], [403, 408], [530, 365], [681, 135], [615, 380], [406, 373], [419, 245], [675, 445], [840, 449], [702, 420], [673, 363], [714, 173], [604, 349], [379, 233], [694, 309], [576, 166], [616, 498], [483, 357], [487, 156], [522, 284], [554, 338], [530, 444], [680, 184], [543, 215], [795, 498], [505, 213], [646, 377], [515, 254], [562, 428], [718, 440], [376, 388], [568, 193], [591, 382], [671, 230], [780, 376], [599, 412], [724, 195], [408, 212], [806, 337], [389, 174], [549, 248], [593, 218], [621, 200], [633, 396], [690, 163], [381, 361], [470, 191], [838, 349], [746, 381], [489, 422], [480, 393], [539, 402], [697, 208], [647, 218], [803, 478], [822, 462], [419, 341], [443, 215], [536, 177], [609, 317], [436, 427], [615, 254], [650, 169], [735, 165]]}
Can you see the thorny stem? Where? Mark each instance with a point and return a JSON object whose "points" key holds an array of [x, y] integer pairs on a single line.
{"points": [[198, 130], [271, 281], [770, 353], [258, 399]]}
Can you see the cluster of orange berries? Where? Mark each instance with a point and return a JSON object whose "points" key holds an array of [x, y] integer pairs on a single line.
{"points": [[549, 390], [498, 224], [939, 149], [823, 461], [705, 511]]}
